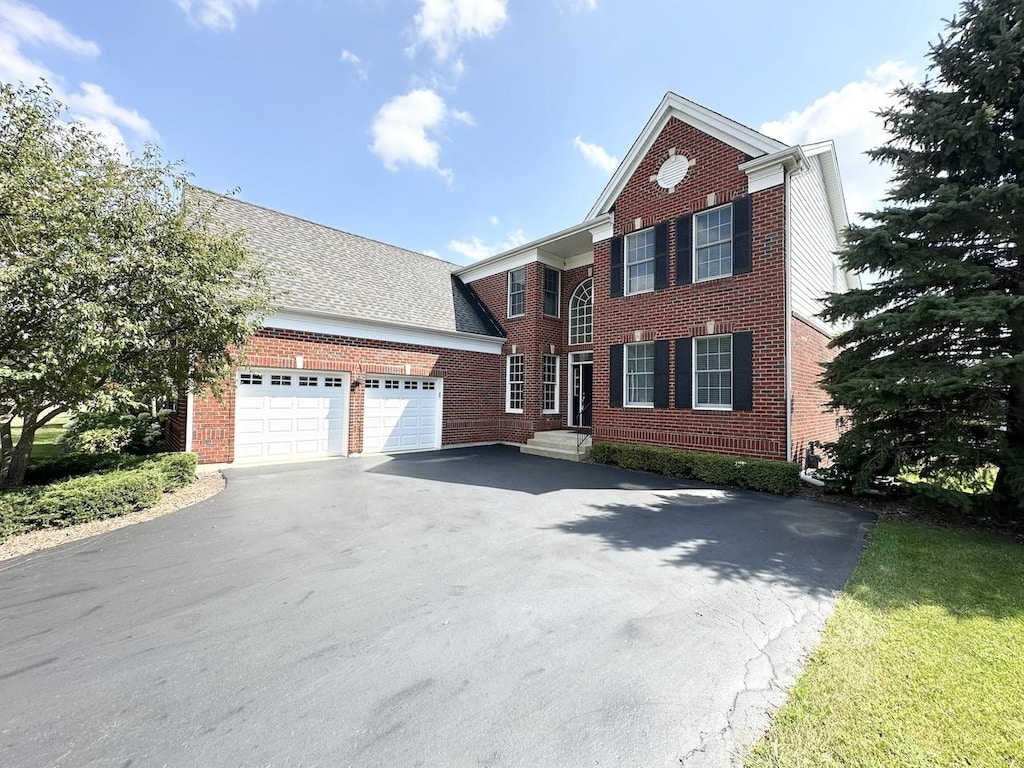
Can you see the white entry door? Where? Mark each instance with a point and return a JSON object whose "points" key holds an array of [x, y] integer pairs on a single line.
{"points": [[401, 414], [293, 414]]}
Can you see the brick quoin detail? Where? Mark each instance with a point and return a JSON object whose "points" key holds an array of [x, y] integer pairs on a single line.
{"points": [[471, 385], [748, 302], [813, 420]]}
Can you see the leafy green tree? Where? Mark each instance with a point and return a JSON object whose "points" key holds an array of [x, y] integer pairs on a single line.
{"points": [[111, 290], [931, 367]]}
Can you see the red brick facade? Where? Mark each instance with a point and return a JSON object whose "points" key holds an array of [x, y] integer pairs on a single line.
{"points": [[747, 302], [472, 393], [813, 420]]}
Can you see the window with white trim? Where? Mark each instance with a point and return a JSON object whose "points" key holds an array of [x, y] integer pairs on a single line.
{"points": [[429, 385], [712, 368], [370, 383], [250, 378], [549, 384], [517, 292], [280, 380], [514, 380], [409, 384], [309, 381], [581, 313], [334, 381], [640, 261], [713, 243], [552, 291], [390, 383], [639, 373]]}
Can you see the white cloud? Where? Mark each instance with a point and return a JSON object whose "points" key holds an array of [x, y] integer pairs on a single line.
{"points": [[215, 14], [405, 130], [356, 62], [443, 25], [848, 117], [22, 24], [431, 252], [495, 221], [28, 24], [475, 248], [596, 155]]}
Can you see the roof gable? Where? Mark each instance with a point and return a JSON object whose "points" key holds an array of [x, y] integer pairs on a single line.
{"points": [[730, 132]]}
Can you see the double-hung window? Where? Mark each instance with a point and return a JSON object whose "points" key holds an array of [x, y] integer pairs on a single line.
{"points": [[639, 373], [713, 372], [713, 242], [549, 384], [514, 380], [640, 261], [517, 292], [552, 290]]}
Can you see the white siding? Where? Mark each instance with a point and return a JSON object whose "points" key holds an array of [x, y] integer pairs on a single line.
{"points": [[813, 242]]}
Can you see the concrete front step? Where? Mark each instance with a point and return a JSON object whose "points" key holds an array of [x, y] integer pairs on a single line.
{"points": [[559, 438], [552, 453]]}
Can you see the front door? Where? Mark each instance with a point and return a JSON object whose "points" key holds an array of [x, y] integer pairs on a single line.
{"points": [[581, 414]]}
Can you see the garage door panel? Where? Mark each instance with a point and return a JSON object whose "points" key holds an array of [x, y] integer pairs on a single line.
{"points": [[401, 414], [280, 416]]}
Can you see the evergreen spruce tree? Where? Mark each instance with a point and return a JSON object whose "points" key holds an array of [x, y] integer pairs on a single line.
{"points": [[931, 367]]}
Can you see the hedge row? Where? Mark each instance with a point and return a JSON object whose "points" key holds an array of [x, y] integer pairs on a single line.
{"points": [[779, 477], [139, 484], [179, 467]]}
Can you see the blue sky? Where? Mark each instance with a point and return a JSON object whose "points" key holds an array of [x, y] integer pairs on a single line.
{"points": [[458, 127]]}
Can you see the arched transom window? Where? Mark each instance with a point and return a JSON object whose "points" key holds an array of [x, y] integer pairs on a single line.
{"points": [[581, 314]]}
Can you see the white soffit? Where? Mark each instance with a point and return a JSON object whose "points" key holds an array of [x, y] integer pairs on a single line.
{"points": [[825, 152], [745, 139]]}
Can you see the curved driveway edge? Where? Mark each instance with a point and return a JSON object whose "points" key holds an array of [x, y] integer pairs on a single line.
{"points": [[472, 607]]}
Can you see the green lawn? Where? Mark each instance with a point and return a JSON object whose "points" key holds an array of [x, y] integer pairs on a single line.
{"points": [[45, 445], [921, 665]]}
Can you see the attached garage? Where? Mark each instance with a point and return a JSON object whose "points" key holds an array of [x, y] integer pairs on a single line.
{"points": [[292, 414], [401, 414]]}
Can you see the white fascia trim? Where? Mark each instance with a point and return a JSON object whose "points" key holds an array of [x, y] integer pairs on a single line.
{"points": [[770, 170], [825, 151], [290, 319], [527, 253], [583, 260], [189, 419], [745, 139], [604, 230]]}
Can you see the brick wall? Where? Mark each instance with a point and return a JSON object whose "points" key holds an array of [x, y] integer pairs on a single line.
{"points": [[533, 335], [812, 419], [472, 380], [748, 302]]}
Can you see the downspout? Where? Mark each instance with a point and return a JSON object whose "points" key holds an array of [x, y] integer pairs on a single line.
{"points": [[789, 318], [190, 399]]}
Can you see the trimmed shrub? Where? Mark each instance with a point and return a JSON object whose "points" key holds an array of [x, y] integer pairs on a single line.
{"points": [[780, 477], [178, 469], [113, 432], [81, 499], [72, 465]]}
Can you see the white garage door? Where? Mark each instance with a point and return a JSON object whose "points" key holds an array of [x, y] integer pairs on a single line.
{"points": [[290, 415], [401, 414]]}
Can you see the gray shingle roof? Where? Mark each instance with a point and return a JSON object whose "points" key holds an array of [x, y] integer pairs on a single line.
{"points": [[315, 267]]}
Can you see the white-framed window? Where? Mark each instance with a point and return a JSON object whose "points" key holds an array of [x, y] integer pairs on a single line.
{"points": [[409, 384], [309, 381], [390, 383], [581, 313], [552, 291], [639, 270], [370, 383], [429, 385], [517, 292], [280, 380], [712, 372], [712, 239], [514, 380], [334, 381], [639, 375], [252, 379], [549, 383]]}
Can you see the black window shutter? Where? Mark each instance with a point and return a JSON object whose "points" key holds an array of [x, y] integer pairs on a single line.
{"points": [[741, 252], [615, 376], [684, 373], [661, 374], [743, 371], [616, 267], [661, 256], [684, 250]]}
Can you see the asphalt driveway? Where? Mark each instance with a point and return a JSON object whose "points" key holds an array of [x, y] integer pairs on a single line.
{"points": [[472, 607]]}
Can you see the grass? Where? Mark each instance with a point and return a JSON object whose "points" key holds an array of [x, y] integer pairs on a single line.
{"points": [[45, 445], [922, 663]]}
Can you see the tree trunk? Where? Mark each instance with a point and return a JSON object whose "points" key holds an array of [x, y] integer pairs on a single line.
{"points": [[14, 458]]}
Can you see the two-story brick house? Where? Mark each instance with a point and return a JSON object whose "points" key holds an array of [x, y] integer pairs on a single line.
{"points": [[681, 312]]}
